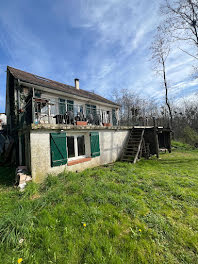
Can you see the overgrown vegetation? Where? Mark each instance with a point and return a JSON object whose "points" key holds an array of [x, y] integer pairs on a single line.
{"points": [[120, 213]]}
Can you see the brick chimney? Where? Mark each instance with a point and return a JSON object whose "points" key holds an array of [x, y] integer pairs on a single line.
{"points": [[76, 84]]}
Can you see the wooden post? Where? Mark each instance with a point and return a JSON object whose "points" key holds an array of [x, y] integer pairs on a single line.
{"points": [[156, 138], [169, 141]]}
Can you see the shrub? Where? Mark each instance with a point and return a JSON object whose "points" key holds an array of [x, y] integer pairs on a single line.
{"points": [[181, 146], [189, 136]]}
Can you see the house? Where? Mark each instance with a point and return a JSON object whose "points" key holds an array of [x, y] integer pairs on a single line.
{"points": [[60, 127]]}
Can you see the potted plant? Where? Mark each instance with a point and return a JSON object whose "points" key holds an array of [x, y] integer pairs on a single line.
{"points": [[107, 124], [81, 123]]}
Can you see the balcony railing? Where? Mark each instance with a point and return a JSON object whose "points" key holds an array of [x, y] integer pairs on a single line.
{"points": [[65, 112], [45, 111]]}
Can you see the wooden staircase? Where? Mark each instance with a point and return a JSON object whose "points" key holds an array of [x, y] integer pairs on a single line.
{"points": [[135, 146]]}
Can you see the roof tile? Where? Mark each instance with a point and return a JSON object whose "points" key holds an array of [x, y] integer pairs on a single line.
{"points": [[38, 80]]}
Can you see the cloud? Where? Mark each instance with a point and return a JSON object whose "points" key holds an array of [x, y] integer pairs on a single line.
{"points": [[103, 43]]}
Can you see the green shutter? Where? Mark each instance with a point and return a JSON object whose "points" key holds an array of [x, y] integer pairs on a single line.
{"points": [[95, 144], [58, 149]]}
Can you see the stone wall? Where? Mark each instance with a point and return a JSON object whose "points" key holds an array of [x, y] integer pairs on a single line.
{"points": [[111, 145]]}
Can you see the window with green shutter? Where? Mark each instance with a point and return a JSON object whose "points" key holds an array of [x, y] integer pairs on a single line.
{"points": [[95, 144], [58, 149]]}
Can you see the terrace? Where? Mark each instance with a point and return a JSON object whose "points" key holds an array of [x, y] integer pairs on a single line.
{"points": [[61, 111]]}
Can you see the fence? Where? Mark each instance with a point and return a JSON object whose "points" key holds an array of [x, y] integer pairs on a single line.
{"points": [[46, 111], [66, 112]]}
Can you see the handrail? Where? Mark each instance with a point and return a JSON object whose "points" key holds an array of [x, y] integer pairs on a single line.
{"points": [[139, 147]]}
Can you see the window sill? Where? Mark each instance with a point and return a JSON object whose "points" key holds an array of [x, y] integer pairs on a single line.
{"points": [[74, 162]]}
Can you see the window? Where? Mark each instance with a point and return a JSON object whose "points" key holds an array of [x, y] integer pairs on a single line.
{"points": [[90, 109], [53, 107], [70, 105], [70, 147], [75, 146], [37, 93], [62, 106], [81, 145]]}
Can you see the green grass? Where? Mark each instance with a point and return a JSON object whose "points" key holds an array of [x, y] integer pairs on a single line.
{"points": [[143, 213], [177, 145]]}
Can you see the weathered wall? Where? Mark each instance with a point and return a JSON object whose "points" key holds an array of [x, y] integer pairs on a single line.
{"points": [[111, 145]]}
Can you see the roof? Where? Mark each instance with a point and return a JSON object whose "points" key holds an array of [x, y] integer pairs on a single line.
{"points": [[38, 80]]}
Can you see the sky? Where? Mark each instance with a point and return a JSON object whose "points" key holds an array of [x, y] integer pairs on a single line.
{"points": [[104, 43]]}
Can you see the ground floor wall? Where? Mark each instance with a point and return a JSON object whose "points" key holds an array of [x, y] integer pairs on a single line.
{"points": [[111, 144]]}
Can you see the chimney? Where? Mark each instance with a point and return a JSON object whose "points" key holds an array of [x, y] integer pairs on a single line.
{"points": [[77, 84]]}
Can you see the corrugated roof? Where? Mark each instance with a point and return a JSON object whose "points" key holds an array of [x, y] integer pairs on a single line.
{"points": [[38, 80]]}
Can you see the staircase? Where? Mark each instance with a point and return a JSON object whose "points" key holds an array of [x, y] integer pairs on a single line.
{"points": [[135, 146]]}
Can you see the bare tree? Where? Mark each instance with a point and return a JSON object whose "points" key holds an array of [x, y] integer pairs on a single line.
{"points": [[181, 21], [160, 51]]}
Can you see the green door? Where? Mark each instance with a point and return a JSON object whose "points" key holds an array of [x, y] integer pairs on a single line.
{"points": [[58, 149], [95, 144]]}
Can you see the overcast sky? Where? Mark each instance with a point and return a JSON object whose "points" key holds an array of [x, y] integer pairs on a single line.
{"points": [[104, 43]]}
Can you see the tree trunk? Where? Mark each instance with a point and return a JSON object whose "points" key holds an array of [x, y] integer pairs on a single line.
{"points": [[166, 95]]}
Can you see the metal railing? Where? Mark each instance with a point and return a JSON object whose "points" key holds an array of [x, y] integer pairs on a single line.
{"points": [[45, 111], [66, 112], [144, 121]]}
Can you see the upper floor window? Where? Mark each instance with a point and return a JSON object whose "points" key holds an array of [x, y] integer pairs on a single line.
{"points": [[62, 106], [65, 106], [90, 109]]}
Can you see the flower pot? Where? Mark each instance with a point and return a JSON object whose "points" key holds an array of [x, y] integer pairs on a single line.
{"points": [[107, 124], [81, 123]]}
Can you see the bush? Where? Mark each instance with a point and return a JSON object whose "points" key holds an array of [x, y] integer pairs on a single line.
{"points": [[181, 146], [189, 136]]}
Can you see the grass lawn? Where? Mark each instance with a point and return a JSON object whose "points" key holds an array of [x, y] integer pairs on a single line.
{"points": [[121, 213]]}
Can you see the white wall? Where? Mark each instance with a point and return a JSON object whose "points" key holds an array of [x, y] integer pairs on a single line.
{"points": [[111, 145]]}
